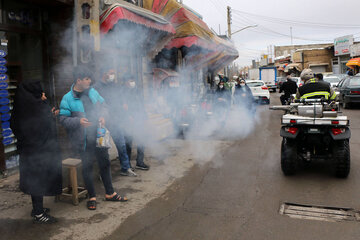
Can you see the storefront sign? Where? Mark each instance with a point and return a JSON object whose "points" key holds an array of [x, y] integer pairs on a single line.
{"points": [[5, 125], [4, 93], [7, 141], [7, 133], [355, 50], [4, 109], [3, 61], [5, 117], [3, 77], [4, 85], [3, 69], [2, 53], [342, 45], [4, 102]]}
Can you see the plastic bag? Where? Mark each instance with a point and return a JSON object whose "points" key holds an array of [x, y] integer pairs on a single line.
{"points": [[103, 137]]}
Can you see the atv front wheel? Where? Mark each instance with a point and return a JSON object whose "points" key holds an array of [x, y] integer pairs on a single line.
{"points": [[341, 155], [289, 157]]}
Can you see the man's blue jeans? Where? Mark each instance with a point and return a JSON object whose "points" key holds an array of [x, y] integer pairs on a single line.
{"points": [[119, 140]]}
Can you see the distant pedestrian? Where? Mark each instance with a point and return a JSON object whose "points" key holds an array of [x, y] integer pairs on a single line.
{"points": [[350, 72], [32, 122], [135, 118], [111, 91], [243, 95], [82, 109]]}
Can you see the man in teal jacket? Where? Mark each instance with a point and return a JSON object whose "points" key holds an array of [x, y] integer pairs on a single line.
{"points": [[82, 109]]}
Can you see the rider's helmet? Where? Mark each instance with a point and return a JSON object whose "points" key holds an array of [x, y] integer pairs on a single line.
{"points": [[306, 74]]}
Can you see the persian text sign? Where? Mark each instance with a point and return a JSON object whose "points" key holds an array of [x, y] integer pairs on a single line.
{"points": [[342, 45]]}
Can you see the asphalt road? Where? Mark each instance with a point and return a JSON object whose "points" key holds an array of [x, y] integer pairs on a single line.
{"points": [[240, 199]]}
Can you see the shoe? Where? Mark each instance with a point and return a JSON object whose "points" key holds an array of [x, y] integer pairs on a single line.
{"points": [[142, 166], [44, 218], [46, 210], [128, 173]]}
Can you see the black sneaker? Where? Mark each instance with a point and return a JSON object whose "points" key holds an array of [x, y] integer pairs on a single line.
{"points": [[46, 210], [44, 218], [142, 166]]}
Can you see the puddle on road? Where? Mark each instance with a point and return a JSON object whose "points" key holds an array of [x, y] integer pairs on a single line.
{"points": [[319, 213]]}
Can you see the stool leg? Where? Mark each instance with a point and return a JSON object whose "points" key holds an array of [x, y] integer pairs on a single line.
{"points": [[74, 186]]}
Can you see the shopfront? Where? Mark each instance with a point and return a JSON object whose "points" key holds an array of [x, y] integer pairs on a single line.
{"points": [[23, 57]]}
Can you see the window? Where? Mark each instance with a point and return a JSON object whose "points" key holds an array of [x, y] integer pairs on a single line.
{"points": [[331, 79], [255, 84], [85, 10], [346, 82], [355, 81]]}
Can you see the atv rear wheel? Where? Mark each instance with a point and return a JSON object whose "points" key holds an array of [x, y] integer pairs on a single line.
{"points": [[341, 155], [289, 157]]}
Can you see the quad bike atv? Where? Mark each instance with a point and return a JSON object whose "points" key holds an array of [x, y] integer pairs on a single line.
{"points": [[313, 129]]}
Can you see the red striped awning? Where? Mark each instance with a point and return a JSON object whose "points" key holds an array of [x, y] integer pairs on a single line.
{"points": [[118, 12]]}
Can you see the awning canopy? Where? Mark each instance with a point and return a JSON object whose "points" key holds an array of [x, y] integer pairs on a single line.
{"points": [[129, 12], [134, 28], [353, 62], [191, 31], [291, 66]]}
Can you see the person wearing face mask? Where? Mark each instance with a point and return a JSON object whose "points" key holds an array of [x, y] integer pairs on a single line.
{"points": [[33, 124], [222, 101], [135, 118], [243, 94], [111, 90], [82, 109]]}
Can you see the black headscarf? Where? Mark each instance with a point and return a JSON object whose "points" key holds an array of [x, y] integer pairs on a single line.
{"points": [[31, 119]]}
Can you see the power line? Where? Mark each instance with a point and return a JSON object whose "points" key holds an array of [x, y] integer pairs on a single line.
{"points": [[292, 22], [217, 7], [267, 31]]}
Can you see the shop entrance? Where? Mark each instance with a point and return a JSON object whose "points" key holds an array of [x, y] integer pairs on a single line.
{"points": [[21, 59]]}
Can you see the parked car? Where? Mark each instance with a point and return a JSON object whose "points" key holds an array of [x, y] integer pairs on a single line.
{"points": [[349, 91], [333, 80], [280, 81], [297, 80], [260, 91], [341, 76]]}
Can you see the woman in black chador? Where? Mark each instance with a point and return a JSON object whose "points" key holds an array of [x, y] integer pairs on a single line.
{"points": [[33, 124]]}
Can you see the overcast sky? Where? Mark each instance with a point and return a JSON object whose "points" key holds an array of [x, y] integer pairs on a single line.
{"points": [[312, 21]]}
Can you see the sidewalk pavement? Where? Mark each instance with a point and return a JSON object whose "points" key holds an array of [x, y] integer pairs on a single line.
{"points": [[170, 160]]}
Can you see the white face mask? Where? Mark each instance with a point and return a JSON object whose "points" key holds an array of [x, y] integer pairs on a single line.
{"points": [[242, 84], [221, 86], [132, 84], [111, 78]]}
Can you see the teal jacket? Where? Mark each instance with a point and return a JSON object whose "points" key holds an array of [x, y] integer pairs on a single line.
{"points": [[72, 110]]}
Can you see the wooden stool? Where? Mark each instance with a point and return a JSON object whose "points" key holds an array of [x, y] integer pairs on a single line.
{"points": [[76, 192]]}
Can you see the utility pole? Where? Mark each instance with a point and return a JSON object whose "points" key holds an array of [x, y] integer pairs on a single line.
{"points": [[229, 21], [291, 34]]}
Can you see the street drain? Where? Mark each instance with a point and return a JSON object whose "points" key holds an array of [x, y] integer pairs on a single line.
{"points": [[320, 213]]}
